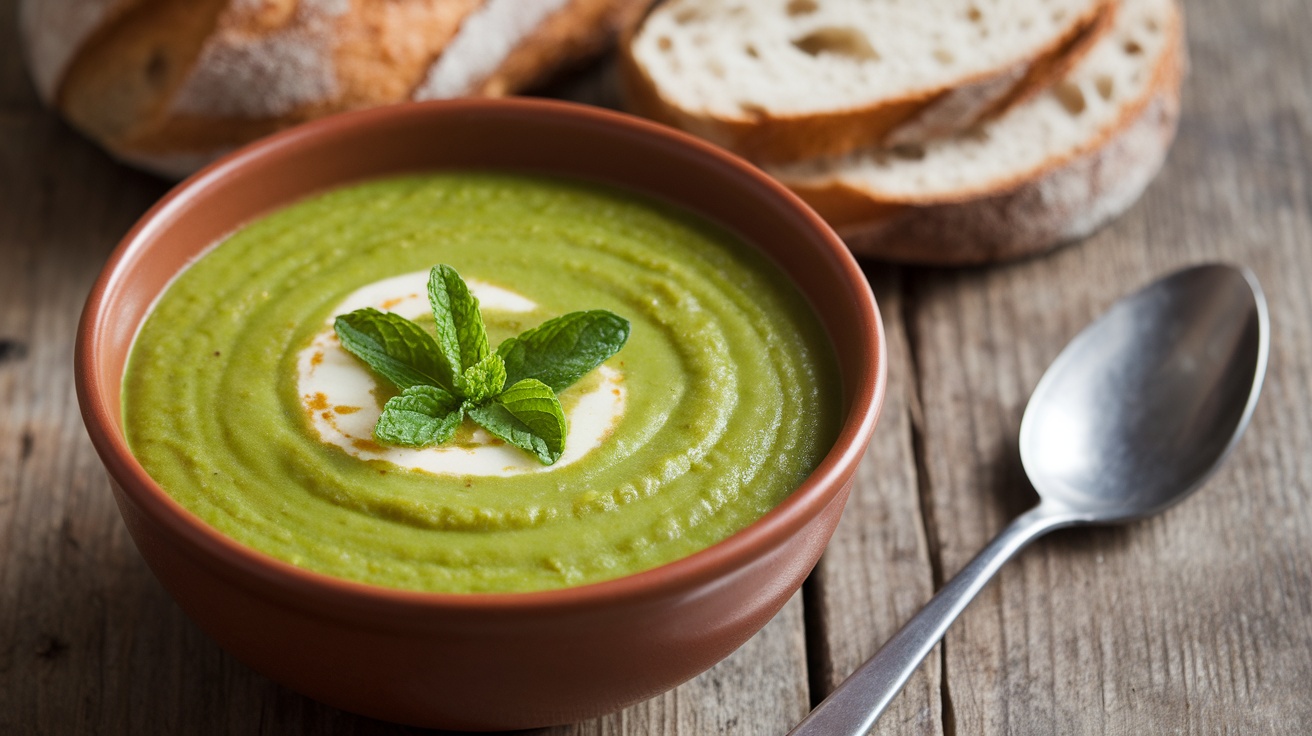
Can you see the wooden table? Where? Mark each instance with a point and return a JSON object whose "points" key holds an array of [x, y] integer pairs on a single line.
{"points": [[1199, 621]]}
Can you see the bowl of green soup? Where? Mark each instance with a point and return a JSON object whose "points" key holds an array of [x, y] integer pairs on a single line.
{"points": [[481, 414]]}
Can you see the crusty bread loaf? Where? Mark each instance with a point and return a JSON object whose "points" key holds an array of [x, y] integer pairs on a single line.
{"points": [[786, 80], [1050, 170], [169, 84]]}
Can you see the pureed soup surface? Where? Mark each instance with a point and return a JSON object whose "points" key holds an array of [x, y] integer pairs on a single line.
{"points": [[723, 400]]}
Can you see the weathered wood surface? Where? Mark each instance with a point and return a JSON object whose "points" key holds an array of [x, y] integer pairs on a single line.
{"points": [[1199, 621]]}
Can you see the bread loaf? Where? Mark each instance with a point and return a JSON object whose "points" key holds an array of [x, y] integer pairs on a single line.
{"points": [[170, 84], [785, 80], [1049, 170]]}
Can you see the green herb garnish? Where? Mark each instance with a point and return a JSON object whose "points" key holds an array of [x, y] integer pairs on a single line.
{"points": [[511, 393]]}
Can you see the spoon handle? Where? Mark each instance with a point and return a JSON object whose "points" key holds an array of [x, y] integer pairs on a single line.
{"points": [[852, 708]]}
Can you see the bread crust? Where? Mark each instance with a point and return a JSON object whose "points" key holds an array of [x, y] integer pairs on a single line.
{"points": [[770, 139], [233, 70], [169, 84], [1066, 202]]}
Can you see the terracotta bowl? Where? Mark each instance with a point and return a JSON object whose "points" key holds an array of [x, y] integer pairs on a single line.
{"points": [[480, 661]]}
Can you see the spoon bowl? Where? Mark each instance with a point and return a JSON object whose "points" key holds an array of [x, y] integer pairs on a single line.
{"points": [[1133, 416], [1145, 403]]}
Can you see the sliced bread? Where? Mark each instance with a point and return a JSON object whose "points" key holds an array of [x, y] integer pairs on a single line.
{"points": [[785, 80], [1050, 170]]}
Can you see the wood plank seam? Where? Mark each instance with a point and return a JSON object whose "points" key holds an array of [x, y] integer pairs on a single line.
{"points": [[818, 661], [915, 389]]}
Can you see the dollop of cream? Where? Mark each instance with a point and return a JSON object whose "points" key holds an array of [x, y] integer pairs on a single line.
{"points": [[338, 393]]}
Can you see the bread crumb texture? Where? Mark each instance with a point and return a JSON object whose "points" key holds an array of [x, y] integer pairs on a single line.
{"points": [[733, 59], [1112, 83]]}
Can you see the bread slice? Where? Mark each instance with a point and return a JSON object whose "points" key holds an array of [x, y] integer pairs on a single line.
{"points": [[785, 80], [1050, 170], [170, 84]]}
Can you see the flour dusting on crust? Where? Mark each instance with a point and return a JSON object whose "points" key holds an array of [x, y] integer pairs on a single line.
{"points": [[290, 67]]}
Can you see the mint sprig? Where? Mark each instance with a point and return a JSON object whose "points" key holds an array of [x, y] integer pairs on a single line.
{"points": [[512, 393]]}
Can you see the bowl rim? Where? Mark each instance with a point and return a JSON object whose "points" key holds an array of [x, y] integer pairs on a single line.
{"points": [[224, 555]]}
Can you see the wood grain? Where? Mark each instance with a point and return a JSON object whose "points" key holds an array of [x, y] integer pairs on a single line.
{"points": [[876, 572], [1199, 621]]}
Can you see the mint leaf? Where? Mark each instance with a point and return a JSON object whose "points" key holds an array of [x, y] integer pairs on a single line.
{"points": [[527, 415], [535, 404], [560, 351], [394, 347], [460, 331], [419, 417], [483, 380]]}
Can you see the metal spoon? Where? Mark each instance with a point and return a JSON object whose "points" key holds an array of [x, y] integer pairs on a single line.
{"points": [[1132, 417]]}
